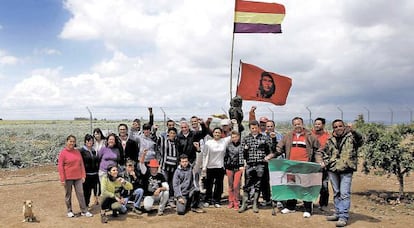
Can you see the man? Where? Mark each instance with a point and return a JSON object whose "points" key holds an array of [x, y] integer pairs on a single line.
{"points": [[322, 135], [226, 127], [263, 123], [129, 146], [267, 86], [256, 147], [340, 157], [135, 194], [135, 130], [186, 191], [148, 142], [170, 124], [156, 188], [169, 158], [299, 145], [187, 138]]}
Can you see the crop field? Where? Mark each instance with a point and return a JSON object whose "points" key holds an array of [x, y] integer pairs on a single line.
{"points": [[26, 143]]}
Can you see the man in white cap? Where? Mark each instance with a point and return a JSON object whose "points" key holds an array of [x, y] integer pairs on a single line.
{"points": [[226, 126]]}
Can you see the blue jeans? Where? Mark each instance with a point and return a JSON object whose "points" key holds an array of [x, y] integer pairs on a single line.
{"points": [[341, 185], [138, 193]]}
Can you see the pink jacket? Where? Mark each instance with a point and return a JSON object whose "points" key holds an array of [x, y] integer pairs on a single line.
{"points": [[70, 165]]}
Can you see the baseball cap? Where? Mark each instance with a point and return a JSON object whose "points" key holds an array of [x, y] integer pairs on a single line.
{"points": [[225, 122], [153, 163]]}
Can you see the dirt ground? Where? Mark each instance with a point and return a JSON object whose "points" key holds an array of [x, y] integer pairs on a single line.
{"points": [[41, 185]]}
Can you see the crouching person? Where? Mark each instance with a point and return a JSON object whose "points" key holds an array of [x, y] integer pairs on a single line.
{"points": [[185, 189], [155, 186], [135, 195], [111, 186]]}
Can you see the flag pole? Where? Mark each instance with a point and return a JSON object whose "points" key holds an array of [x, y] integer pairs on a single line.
{"points": [[238, 74], [231, 67], [232, 53]]}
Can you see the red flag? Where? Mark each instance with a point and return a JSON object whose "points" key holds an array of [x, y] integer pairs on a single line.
{"points": [[260, 85]]}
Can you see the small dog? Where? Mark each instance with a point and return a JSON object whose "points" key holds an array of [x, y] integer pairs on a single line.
{"points": [[28, 211]]}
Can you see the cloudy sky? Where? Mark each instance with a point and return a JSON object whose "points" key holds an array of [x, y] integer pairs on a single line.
{"points": [[119, 57]]}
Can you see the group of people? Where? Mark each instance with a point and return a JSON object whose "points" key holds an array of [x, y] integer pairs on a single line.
{"points": [[185, 169]]}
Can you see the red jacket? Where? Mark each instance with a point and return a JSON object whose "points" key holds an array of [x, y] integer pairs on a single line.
{"points": [[70, 165]]}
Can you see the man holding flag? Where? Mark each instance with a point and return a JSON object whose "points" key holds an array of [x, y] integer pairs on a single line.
{"points": [[299, 145]]}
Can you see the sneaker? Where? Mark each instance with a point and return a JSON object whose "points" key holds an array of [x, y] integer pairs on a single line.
{"points": [[104, 218], [323, 208], [287, 211], [114, 213], [160, 213], [206, 205], [198, 210], [306, 214], [230, 205], [70, 214], [136, 211], [332, 218], [217, 205], [266, 203], [341, 223], [236, 207], [279, 204], [87, 214]]}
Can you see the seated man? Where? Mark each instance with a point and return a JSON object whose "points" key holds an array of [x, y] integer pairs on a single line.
{"points": [[135, 195], [185, 190], [155, 186]]}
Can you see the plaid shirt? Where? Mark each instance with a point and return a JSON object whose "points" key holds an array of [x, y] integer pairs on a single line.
{"points": [[257, 148]]}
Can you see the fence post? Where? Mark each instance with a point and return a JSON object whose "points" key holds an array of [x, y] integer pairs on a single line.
{"points": [[368, 114], [165, 124], [342, 113], [90, 118], [310, 117]]}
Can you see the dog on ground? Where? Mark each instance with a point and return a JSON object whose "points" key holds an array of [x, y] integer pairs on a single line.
{"points": [[28, 211]]}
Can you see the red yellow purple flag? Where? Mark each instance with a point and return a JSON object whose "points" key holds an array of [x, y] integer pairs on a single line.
{"points": [[258, 17], [260, 85]]}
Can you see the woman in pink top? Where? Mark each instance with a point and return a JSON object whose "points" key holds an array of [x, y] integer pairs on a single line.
{"points": [[72, 173]]}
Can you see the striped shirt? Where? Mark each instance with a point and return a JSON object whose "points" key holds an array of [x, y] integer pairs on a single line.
{"points": [[169, 154]]}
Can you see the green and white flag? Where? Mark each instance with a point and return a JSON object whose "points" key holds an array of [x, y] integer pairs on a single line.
{"points": [[295, 180]]}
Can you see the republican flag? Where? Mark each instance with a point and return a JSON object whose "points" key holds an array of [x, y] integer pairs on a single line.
{"points": [[258, 17], [260, 85], [294, 180]]}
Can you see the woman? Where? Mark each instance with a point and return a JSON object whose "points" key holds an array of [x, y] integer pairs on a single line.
{"points": [[111, 199], [233, 162], [100, 140], [213, 164], [91, 163], [72, 173], [110, 155]]}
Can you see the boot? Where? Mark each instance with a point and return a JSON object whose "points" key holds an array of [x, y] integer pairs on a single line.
{"points": [[255, 202], [244, 202]]}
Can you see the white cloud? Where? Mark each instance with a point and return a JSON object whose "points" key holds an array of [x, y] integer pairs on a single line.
{"points": [[6, 59], [47, 51], [176, 53]]}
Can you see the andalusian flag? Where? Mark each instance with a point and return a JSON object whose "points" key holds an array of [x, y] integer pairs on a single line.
{"points": [[258, 17], [295, 180]]}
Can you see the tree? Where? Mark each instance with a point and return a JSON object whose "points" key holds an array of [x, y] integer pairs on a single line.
{"points": [[390, 150]]}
